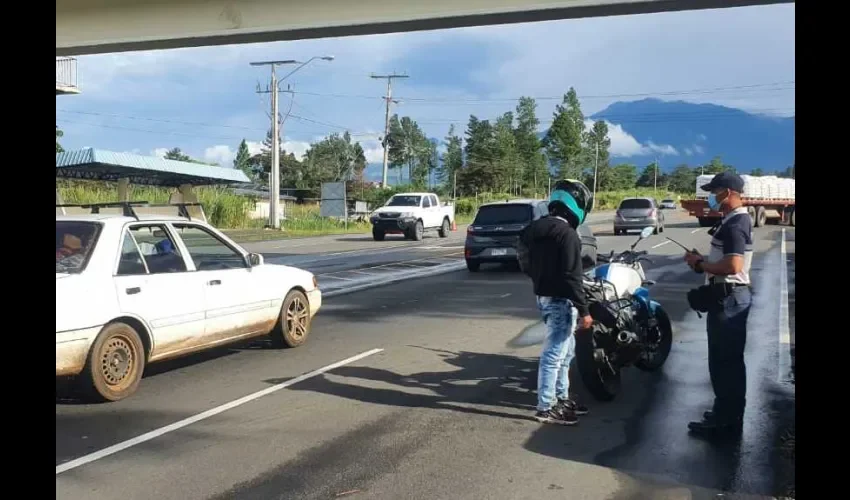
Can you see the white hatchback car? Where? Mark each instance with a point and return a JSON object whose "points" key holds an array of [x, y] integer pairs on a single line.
{"points": [[133, 290]]}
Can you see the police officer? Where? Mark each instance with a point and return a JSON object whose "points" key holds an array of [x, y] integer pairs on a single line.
{"points": [[727, 270]]}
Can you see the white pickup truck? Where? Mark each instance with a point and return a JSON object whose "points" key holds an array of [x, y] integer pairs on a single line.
{"points": [[411, 214]]}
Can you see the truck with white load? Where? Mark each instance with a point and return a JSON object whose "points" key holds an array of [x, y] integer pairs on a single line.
{"points": [[411, 214], [768, 199]]}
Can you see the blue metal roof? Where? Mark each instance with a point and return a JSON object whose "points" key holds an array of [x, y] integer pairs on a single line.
{"points": [[100, 165]]}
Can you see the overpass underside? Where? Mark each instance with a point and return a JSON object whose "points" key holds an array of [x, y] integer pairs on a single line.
{"points": [[98, 26]]}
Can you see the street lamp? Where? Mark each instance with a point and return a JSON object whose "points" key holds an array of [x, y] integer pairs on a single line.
{"points": [[274, 174]]}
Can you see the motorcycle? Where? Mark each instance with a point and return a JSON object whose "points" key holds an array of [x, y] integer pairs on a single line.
{"points": [[629, 327]]}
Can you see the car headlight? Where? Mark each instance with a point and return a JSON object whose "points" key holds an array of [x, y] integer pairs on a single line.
{"points": [[406, 215], [315, 281]]}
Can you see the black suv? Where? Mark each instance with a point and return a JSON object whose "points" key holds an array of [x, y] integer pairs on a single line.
{"points": [[493, 234]]}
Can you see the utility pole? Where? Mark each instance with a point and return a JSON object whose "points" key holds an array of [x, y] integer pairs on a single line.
{"points": [[596, 169], [454, 187], [274, 171], [388, 99], [656, 176]]}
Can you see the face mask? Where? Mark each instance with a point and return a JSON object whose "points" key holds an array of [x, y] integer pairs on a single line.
{"points": [[712, 202]]}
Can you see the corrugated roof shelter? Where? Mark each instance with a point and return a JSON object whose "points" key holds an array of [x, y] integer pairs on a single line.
{"points": [[99, 165]]}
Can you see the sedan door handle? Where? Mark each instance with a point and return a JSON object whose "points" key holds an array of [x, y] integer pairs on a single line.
{"points": [[214, 282], [133, 291]]}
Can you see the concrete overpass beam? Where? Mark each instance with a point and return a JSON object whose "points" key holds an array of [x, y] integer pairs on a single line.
{"points": [[97, 26]]}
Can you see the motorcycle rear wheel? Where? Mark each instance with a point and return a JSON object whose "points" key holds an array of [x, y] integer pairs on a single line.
{"points": [[662, 351], [598, 378]]}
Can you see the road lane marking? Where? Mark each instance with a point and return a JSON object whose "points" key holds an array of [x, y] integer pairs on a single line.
{"points": [[661, 244], [696, 230], [321, 257], [425, 272], [334, 277], [784, 371], [78, 462]]}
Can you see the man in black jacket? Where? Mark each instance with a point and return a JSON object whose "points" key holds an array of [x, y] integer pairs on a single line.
{"points": [[554, 264]]}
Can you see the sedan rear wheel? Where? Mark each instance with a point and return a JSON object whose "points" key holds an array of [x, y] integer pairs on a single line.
{"points": [[115, 364]]}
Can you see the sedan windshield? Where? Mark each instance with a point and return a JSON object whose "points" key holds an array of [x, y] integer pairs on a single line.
{"points": [[75, 241]]}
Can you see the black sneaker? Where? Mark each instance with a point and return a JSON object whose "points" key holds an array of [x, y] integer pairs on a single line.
{"points": [[573, 407], [557, 416]]}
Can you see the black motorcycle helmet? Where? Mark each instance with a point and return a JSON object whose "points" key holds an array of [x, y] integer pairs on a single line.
{"points": [[572, 200]]}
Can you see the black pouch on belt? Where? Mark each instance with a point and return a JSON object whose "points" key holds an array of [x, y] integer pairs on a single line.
{"points": [[706, 298]]}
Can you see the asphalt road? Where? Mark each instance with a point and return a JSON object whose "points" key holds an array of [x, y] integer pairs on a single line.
{"points": [[441, 411], [344, 260]]}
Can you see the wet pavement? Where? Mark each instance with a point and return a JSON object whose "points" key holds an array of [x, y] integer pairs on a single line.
{"points": [[443, 411]]}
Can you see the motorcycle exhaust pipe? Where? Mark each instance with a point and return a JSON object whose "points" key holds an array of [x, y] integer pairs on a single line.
{"points": [[625, 337]]}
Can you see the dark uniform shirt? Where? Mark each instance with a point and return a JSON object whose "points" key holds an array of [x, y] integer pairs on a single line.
{"points": [[733, 237]]}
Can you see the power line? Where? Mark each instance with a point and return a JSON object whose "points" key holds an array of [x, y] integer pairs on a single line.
{"points": [[203, 124], [761, 87]]}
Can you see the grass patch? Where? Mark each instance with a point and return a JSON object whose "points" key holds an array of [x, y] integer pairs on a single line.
{"points": [[231, 212], [223, 208]]}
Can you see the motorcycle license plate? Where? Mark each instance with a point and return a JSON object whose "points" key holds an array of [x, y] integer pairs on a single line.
{"points": [[499, 252]]}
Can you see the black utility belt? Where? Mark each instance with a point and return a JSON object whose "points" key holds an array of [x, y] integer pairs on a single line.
{"points": [[711, 296]]}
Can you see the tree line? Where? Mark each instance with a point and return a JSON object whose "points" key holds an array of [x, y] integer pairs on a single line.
{"points": [[506, 155]]}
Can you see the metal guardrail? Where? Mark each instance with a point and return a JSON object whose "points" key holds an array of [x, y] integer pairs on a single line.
{"points": [[66, 73]]}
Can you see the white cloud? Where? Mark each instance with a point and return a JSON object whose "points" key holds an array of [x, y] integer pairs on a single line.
{"points": [[298, 148], [624, 144], [661, 149], [254, 148], [159, 152], [699, 149], [688, 152], [220, 154]]}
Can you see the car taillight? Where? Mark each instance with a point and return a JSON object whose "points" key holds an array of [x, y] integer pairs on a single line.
{"points": [[469, 230]]}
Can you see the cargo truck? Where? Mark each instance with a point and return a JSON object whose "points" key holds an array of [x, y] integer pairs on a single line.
{"points": [[769, 200]]}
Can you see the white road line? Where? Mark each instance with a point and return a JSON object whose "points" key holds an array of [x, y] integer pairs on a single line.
{"points": [[784, 371], [357, 271], [334, 277], [696, 230], [661, 244], [78, 462]]}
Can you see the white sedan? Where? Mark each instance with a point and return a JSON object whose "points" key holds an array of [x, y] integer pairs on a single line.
{"points": [[130, 291]]}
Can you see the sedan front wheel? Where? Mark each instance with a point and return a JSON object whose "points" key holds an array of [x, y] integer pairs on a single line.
{"points": [[293, 325]]}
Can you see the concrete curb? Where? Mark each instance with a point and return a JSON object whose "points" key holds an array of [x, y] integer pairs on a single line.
{"points": [[401, 276]]}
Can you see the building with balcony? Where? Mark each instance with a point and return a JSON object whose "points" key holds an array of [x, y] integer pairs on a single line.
{"points": [[66, 76]]}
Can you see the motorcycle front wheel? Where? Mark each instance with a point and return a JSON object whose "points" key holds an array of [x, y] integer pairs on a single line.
{"points": [[654, 358], [601, 381]]}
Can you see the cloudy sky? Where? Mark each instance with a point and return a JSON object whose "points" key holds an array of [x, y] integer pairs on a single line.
{"points": [[203, 100]]}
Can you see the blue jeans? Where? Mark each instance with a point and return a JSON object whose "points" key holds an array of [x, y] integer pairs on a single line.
{"points": [[553, 381]]}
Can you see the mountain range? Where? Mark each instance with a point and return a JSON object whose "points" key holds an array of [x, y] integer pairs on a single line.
{"points": [[679, 132]]}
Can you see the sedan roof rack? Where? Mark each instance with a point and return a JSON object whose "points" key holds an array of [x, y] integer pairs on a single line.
{"points": [[131, 208]]}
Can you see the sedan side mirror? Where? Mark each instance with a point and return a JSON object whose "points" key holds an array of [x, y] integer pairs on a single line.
{"points": [[254, 260]]}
